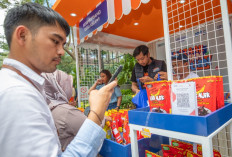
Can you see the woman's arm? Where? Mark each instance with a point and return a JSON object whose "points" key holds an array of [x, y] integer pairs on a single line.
{"points": [[99, 81], [119, 101]]}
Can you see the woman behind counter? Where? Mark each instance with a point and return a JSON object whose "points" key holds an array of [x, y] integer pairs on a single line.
{"points": [[116, 97]]}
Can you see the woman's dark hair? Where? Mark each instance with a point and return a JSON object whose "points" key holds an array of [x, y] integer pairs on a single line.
{"points": [[139, 49], [107, 72], [33, 16]]}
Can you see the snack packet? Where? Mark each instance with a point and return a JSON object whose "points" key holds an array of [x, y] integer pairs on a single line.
{"points": [[192, 154], [126, 129], [150, 154], [206, 94], [115, 132], [158, 94], [183, 145], [170, 151]]}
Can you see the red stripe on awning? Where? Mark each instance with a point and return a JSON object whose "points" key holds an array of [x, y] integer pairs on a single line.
{"points": [[118, 9], [135, 4]]}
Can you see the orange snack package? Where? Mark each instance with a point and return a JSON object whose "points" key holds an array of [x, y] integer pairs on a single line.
{"points": [[183, 145], [150, 154], [206, 94], [170, 151], [220, 92], [192, 154], [158, 94]]}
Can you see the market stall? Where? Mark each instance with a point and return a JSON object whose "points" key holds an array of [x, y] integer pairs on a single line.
{"points": [[200, 29]]}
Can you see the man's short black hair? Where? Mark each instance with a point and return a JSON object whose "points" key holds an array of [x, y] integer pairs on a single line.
{"points": [[33, 16], [139, 49]]}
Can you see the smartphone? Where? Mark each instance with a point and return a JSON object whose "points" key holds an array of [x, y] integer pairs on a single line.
{"points": [[116, 73]]}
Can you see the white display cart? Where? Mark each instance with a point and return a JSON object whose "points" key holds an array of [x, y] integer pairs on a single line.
{"points": [[195, 129]]}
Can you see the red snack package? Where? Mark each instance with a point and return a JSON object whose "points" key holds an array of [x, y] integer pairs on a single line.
{"points": [[126, 129], [192, 154], [114, 127], [119, 121], [220, 92], [183, 145], [139, 136], [158, 94], [206, 94], [150, 154], [170, 151], [215, 152]]}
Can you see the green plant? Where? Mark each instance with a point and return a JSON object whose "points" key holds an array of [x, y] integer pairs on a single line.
{"points": [[126, 99], [128, 63], [126, 92]]}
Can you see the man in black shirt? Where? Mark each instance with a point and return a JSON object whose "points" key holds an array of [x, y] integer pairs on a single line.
{"points": [[146, 69]]}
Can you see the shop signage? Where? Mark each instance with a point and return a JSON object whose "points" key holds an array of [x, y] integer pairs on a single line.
{"points": [[95, 19], [84, 92]]}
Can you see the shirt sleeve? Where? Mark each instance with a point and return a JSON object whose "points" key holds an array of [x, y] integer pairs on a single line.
{"points": [[164, 67], [117, 91], [87, 142], [133, 77]]}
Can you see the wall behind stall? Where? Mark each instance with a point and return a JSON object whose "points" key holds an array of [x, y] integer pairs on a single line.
{"points": [[160, 44], [182, 40]]}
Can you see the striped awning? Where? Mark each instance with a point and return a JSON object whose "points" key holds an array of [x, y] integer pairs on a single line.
{"points": [[116, 9]]}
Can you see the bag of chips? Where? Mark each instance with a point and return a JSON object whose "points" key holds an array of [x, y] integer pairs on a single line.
{"points": [[158, 94], [183, 145], [170, 151], [150, 154], [206, 94], [192, 154]]}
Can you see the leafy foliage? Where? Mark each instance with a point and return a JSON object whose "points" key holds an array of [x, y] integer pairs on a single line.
{"points": [[126, 92], [128, 63], [3, 44], [4, 4], [67, 64]]}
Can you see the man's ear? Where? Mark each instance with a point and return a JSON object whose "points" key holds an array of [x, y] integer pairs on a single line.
{"points": [[21, 34]]}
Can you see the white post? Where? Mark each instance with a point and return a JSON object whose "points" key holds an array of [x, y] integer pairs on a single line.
{"points": [[207, 147], [228, 43], [134, 141], [167, 39], [77, 66], [99, 57]]}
